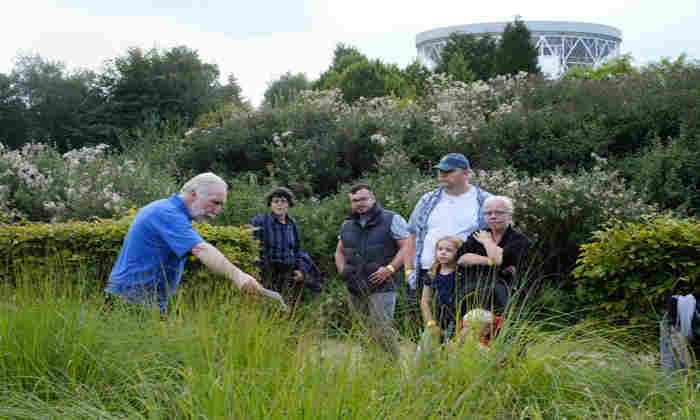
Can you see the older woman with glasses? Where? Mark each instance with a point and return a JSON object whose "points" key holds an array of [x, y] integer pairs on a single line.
{"points": [[491, 258]]}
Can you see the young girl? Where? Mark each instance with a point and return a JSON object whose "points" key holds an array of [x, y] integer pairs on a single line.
{"points": [[443, 277]]}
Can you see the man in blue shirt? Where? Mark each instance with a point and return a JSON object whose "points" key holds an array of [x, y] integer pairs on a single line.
{"points": [[150, 263]]}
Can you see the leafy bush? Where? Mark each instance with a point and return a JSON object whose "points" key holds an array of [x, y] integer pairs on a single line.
{"points": [[669, 173], [559, 123], [539, 140], [94, 246], [239, 145], [304, 145], [245, 199], [630, 268]]}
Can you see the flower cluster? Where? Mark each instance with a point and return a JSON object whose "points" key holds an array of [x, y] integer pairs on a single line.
{"points": [[328, 100], [90, 176], [39, 184], [379, 139], [20, 163], [458, 108]]}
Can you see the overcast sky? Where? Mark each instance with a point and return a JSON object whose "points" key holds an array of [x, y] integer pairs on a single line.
{"points": [[258, 40]]}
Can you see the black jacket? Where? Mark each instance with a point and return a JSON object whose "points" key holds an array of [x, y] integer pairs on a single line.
{"points": [[366, 248]]}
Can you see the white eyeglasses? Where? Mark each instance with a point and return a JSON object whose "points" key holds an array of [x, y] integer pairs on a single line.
{"points": [[498, 213]]}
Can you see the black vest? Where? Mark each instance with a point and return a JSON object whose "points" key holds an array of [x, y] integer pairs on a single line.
{"points": [[366, 249]]}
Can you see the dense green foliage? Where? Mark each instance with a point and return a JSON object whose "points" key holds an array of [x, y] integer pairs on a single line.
{"points": [[284, 90], [561, 124], [344, 56], [93, 246], [312, 148], [628, 270], [469, 57], [612, 69], [357, 77], [146, 86], [43, 102], [516, 51]]}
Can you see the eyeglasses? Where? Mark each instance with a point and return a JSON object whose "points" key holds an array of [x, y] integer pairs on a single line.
{"points": [[498, 213], [279, 201], [449, 171]]}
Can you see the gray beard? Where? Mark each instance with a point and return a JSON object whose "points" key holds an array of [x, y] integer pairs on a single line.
{"points": [[197, 213]]}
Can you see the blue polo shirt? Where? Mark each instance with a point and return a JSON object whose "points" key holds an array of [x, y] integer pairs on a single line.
{"points": [[152, 258]]}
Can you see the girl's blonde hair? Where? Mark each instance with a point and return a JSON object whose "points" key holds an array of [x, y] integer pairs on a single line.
{"points": [[453, 240]]}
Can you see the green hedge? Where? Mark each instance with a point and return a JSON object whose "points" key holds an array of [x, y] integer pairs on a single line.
{"points": [[628, 270], [94, 246]]}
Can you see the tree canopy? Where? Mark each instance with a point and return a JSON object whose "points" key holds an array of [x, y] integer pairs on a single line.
{"points": [[468, 57], [43, 102], [284, 90], [516, 52], [151, 86]]}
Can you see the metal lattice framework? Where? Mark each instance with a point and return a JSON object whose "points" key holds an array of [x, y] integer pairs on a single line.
{"points": [[560, 44]]}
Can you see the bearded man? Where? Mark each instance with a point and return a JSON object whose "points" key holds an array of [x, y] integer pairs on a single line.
{"points": [[152, 258], [371, 247]]}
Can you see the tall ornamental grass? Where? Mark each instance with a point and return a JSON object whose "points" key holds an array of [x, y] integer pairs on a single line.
{"points": [[64, 353]]}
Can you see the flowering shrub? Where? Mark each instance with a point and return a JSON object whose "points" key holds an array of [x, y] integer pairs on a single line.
{"points": [[460, 108], [27, 176], [320, 141], [39, 184]]}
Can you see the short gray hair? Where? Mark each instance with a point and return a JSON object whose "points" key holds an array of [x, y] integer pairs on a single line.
{"points": [[201, 184], [507, 203]]}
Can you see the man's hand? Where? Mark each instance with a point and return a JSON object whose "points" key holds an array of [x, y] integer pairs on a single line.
{"points": [[380, 276], [298, 276], [248, 284], [470, 259]]}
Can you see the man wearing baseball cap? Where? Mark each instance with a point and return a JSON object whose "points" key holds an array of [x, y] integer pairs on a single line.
{"points": [[455, 208]]}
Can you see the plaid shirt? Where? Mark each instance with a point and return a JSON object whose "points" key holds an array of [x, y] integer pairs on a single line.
{"points": [[418, 223], [279, 242]]}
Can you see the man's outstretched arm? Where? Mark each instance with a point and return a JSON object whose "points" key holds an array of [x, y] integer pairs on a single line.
{"points": [[219, 264]]}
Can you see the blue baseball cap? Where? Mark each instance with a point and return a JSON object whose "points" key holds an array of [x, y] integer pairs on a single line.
{"points": [[452, 161]]}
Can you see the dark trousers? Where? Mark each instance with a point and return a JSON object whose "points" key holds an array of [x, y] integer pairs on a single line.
{"points": [[280, 278]]}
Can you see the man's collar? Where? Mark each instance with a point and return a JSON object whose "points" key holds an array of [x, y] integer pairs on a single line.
{"points": [[177, 201], [466, 190]]}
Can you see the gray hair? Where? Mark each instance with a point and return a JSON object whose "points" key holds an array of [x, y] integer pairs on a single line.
{"points": [[507, 203], [200, 184]]}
